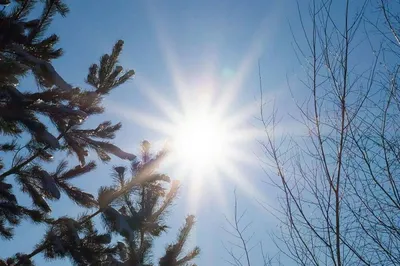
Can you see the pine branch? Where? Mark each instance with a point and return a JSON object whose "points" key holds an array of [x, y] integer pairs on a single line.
{"points": [[24, 49], [23, 10], [50, 8], [173, 251], [138, 180], [14, 169], [43, 247], [46, 69]]}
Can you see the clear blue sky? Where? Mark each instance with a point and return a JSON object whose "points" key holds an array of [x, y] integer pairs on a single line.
{"points": [[205, 39]]}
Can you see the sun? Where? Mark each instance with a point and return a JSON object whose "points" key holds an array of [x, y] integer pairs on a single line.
{"points": [[200, 141], [207, 137], [207, 142], [203, 115]]}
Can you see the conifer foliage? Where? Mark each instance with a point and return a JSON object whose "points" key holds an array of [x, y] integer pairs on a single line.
{"points": [[36, 124], [139, 214]]}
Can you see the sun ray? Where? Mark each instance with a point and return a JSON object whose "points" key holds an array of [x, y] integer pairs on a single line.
{"points": [[218, 189], [159, 101], [141, 118], [237, 156], [242, 181], [195, 189], [206, 143], [257, 46], [209, 139], [170, 59]]}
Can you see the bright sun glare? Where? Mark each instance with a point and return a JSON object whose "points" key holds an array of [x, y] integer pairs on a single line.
{"points": [[207, 142], [208, 138], [200, 141]]}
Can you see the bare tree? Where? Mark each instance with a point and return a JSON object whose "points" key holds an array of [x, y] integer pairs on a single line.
{"points": [[340, 182], [243, 249]]}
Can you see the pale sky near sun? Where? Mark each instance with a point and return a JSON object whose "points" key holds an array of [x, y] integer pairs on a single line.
{"points": [[186, 54]]}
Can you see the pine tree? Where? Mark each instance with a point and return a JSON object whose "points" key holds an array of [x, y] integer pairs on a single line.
{"points": [[37, 124], [139, 214]]}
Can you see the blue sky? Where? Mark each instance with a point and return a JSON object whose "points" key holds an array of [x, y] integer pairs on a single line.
{"points": [[206, 42]]}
